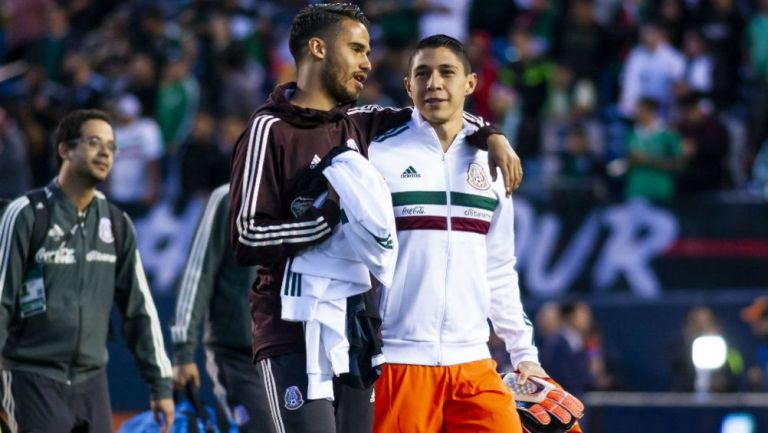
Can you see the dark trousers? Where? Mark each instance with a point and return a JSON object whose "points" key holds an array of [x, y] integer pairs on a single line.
{"points": [[283, 380], [39, 404], [238, 389]]}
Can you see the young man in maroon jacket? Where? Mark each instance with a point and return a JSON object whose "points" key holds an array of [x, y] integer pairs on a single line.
{"points": [[269, 223]]}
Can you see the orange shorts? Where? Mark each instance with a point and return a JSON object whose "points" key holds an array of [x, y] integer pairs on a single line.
{"points": [[462, 398]]}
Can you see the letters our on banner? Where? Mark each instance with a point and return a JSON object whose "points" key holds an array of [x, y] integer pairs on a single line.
{"points": [[641, 248]]}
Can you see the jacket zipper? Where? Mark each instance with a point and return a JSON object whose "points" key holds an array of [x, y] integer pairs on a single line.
{"points": [[444, 303], [81, 283], [447, 261], [449, 229]]}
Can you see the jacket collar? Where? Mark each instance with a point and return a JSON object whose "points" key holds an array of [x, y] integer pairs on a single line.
{"points": [[424, 126], [53, 191], [279, 103]]}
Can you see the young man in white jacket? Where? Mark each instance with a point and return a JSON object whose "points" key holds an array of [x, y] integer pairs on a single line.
{"points": [[455, 268]]}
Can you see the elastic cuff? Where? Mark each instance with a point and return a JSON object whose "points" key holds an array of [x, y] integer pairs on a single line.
{"points": [[161, 389], [183, 354]]}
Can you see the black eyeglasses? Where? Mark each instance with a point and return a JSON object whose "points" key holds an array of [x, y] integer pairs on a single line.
{"points": [[94, 142]]}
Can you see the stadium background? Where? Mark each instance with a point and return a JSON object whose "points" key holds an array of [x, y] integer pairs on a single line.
{"points": [[555, 77]]}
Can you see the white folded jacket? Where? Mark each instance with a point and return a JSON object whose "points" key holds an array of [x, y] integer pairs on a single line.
{"points": [[318, 281]]}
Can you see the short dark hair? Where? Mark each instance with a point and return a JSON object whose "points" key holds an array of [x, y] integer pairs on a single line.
{"points": [[319, 20], [442, 41], [68, 129]]}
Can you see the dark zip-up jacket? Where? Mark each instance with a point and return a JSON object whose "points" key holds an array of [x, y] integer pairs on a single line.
{"points": [[282, 142], [67, 341], [213, 288]]}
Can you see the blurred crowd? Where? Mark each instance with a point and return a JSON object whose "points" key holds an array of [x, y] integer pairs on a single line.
{"points": [[603, 99], [572, 349]]}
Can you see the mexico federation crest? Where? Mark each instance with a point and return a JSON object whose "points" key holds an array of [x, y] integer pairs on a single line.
{"points": [[293, 398], [300, 206], [477, 178], [105, 231]]}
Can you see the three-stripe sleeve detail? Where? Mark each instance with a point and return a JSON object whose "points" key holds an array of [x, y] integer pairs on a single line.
{"points": [[267, 235], [160, 357], [475, 120], [190, 279], [7, 223], [371, 108]]}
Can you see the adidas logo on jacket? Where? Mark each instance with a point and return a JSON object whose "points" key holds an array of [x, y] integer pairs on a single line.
{"points": [[410, 172]]}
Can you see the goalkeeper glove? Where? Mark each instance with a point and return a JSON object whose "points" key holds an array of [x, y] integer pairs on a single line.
{"points": [[544, 406]]}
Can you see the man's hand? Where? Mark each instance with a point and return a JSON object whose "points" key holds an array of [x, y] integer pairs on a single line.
{"points": [[183, 373], [163, 410], [502, 156], [528, 369]]}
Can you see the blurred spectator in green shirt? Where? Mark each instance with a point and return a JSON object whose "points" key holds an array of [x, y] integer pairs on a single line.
{"points": [[654, 155]]}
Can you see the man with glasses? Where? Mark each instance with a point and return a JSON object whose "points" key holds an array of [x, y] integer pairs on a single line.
{"points": [[66, 256]]}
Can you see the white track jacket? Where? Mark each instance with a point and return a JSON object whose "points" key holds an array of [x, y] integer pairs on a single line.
{"points": [[456, 259], [318, 281]]}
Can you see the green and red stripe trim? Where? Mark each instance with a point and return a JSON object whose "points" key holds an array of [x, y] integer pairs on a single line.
{"points": [[440, 198], [474, 225], [432, 222], [459, 224]]}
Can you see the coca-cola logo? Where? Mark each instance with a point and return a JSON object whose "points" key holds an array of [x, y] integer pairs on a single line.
{"points": [[413, 210], [60, 256]]}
